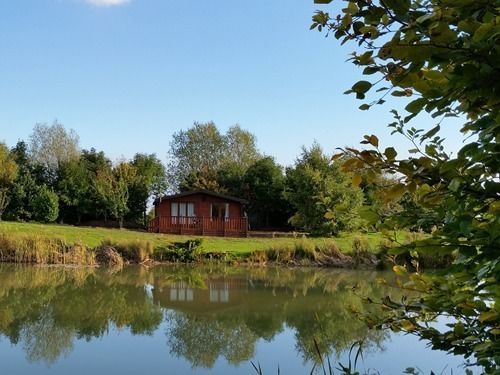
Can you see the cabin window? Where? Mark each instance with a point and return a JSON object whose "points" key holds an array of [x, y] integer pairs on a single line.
{"points": [[219, 210], [182, 209], [179, 212]]}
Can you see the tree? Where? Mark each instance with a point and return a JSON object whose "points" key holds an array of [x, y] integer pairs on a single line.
{"points": [[241, 149], [264, 187], [8, 173], [73, 187], [199, 150], [203, 158], [445, 57], [50, 146], [150, 183], [24, 187], [321, 194], [112, 188], [45, 205], [96, 163]]}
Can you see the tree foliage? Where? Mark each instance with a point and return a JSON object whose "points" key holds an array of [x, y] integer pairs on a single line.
{"points": [[50, 146], [73, 186], [24, 187], [45, 205], [112, 187], [8, 173], [264, 186], [200, 154], [443, 56], [321, 194], [150, 183]]}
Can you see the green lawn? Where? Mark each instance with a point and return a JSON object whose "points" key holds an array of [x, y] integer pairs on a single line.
{"points": [[238, 246]]}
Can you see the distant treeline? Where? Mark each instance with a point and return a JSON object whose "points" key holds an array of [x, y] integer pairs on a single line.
{"points": [[50, 178]]}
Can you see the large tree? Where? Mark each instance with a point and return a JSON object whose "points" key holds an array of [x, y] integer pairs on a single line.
{"points": [[112, 188], [52, 145], [201, 157], [24, 187], [149, 183], [443, 56], [321, 194], [264, 187], [74, 186], [96, 163], [8, 173]]}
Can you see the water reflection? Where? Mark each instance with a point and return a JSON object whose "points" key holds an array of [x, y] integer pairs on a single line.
{"points": [[205, 313]]}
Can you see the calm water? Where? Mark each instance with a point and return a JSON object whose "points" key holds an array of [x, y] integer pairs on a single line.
{"points": [[170, 320]]}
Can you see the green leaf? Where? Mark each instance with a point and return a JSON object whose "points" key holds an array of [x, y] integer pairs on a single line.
{"points": [[371, 70], [416, 105], [431, 133], [390, 153], [361, 87], [481, 32], [455, 184], [364, 107], [395, 193]]}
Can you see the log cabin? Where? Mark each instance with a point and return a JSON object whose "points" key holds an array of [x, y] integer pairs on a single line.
{"points": [[200, 212]]}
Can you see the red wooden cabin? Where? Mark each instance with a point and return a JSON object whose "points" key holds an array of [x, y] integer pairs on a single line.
{"points": [[200, 212]]}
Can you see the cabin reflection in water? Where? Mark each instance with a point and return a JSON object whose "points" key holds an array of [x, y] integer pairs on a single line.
{"points": [[218, 293]]}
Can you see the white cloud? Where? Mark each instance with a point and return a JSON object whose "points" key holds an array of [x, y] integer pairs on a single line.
{"points": [[107, 3]]}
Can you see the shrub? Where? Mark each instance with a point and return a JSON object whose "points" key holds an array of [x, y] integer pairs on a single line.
{"points": [[133, 251], [187, 252], [45, 205]]}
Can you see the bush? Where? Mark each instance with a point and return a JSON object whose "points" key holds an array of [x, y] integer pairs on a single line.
{"points": [[186, 252], [137, 251], [45, 205]]}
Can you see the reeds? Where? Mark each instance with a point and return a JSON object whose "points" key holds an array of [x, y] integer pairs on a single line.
{"points": [[303, 252], [34, 249], [136, 251]]}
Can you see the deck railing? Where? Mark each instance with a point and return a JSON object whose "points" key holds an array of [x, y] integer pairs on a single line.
{"points": [[199, 225]]}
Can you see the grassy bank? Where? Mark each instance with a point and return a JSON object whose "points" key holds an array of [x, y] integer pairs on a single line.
{"points": [[93, 237], [41, 243]]}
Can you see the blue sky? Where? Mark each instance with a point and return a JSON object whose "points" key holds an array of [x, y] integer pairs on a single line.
{"points": [[126, 76]]}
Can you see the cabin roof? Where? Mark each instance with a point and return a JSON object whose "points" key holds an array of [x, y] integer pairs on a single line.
{"points": [[200, 191]]}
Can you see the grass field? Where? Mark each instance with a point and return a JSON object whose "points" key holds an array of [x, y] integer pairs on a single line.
{"points": [[92, 237]]}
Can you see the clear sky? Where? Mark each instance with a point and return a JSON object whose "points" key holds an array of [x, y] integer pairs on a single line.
{"points": [[125, 75]]}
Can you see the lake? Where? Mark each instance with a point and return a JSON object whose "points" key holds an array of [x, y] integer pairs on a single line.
{"points": [[196, 320]]}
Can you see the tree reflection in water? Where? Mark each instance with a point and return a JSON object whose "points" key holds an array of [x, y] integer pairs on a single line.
{"points": [[208, 313]]}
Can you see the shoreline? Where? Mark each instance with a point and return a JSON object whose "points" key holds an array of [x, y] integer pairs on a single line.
{"points": [[30, 243]]}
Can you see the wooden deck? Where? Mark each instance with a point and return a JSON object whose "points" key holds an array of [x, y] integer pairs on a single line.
{"points": [[200, 226]]}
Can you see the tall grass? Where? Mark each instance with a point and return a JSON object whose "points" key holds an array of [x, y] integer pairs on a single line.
{"points": [[137, 251], [304, 252], [43, 250], [34, 249]]}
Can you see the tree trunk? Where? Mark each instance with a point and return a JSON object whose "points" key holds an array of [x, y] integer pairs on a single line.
{"points": [[120, 222]]}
